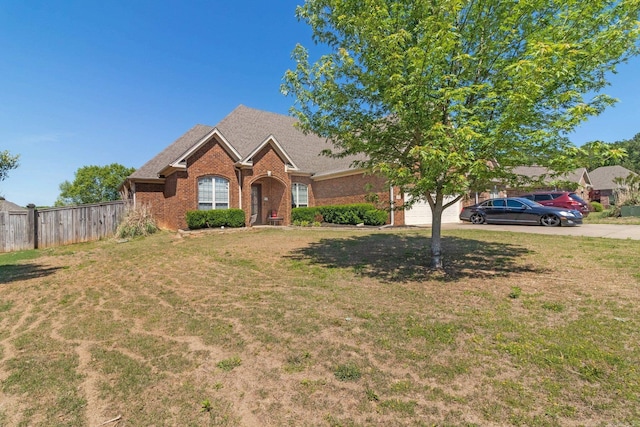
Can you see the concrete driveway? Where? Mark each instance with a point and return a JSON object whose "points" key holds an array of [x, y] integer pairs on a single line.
{"points": [[611, 231]]}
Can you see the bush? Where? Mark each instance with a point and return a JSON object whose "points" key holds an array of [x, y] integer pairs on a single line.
{"points": [[137, 222], [235, 218], [304, 215], [597, 207], [353, 214], [215, 218], [375, 217]]}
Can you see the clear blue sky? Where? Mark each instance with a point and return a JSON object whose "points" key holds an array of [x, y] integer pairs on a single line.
{"points": [[87, 82]]}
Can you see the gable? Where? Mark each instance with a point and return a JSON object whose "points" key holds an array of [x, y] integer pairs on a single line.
{"points": [[213, 136], [270, 142], [243, 133], [248, 128]]}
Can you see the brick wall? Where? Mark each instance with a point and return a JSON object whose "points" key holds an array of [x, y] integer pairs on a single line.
{"points": [[152, 195], [181, 187], [171, 201], [350, 189], [353, 189], [269, 172]]}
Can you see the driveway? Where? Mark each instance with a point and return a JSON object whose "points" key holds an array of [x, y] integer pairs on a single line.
{"points": [[611, 231]]}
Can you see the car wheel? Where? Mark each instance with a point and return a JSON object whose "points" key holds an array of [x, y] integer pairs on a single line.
{"points": [[550, 220], [476, 218]]}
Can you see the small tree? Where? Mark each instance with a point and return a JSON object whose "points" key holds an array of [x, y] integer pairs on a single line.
{"points": [[94, 184], [627, 192], [632, 148], [444, 96], [595, 154], [7, 163]]}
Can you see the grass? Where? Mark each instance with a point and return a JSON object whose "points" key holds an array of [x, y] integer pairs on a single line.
{"points": [[322, 327], [604, 218]]}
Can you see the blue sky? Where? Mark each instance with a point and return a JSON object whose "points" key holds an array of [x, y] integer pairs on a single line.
{"points": [[86, 82]]}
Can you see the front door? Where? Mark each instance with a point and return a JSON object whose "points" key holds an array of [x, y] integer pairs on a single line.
{"points": [[256, 204]]}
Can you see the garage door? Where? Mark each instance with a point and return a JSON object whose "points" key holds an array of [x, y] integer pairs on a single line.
{"points": [[420, 213]]}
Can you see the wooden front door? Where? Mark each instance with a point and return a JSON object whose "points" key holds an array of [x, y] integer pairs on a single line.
{"points": [[256, 203]]}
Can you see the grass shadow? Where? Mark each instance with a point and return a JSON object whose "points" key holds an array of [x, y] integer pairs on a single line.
{"points": [[16, 272], [398, 258]]}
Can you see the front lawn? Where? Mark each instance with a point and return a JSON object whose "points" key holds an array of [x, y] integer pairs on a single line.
{"points": [[305, 327], [604, 218]]}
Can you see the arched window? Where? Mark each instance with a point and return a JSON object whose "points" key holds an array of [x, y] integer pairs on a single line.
{"points": [[213, 193], [299, 195]]}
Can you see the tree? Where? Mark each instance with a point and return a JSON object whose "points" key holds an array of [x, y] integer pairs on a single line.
{"points": [[595, 154], [632, 148], [7, 163], [443, 96], [94, 184]]}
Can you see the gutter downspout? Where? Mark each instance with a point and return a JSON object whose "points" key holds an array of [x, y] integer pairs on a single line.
{"points": [[392, 211], [239, 176], [393, 219]]}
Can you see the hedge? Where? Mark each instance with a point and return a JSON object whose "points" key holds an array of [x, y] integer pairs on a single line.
{"points": [[307, 215], [215, 218], [352, 214]]}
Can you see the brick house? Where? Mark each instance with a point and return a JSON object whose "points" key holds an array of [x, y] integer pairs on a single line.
{"points": [[577, 180], [605, 183], [254, 160]]}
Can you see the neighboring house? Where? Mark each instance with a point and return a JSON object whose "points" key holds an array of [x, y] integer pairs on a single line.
{"points": [[579, 180], [6, 206], [257, 161], [604, 185]]}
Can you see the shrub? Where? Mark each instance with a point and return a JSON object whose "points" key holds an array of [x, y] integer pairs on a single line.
{"points": [[375, 217], [353, 214], [235, 218], [628, 191], [597, 207], [137, 222], [357, 213], [304, 215], [215, 218], [196, 219]]}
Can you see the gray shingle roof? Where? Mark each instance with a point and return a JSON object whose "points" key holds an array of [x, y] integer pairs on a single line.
{"points": [[6, 205], [151, 169], [536, 171], [602, 178], [245, 129]]}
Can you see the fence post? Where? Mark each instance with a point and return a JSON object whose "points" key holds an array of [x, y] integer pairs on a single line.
{"points": [[32, 226]]}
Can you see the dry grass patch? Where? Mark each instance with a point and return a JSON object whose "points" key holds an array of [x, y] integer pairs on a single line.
{"points": [[322, 327]]}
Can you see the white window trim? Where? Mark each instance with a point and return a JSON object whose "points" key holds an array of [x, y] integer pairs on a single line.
{"points": [[213, 200], [295, 196]]}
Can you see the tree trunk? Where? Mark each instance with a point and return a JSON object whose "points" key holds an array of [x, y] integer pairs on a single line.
{"points": [[436, 229]]}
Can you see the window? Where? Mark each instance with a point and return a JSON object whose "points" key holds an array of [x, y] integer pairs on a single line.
{"points": [[213, 193], [299, 195]]}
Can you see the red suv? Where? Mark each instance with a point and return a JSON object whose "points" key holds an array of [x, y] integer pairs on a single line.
{"points": [[560, 199]]}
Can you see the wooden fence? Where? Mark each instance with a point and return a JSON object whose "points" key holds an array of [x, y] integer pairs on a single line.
{"points": [[44, 228]]}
